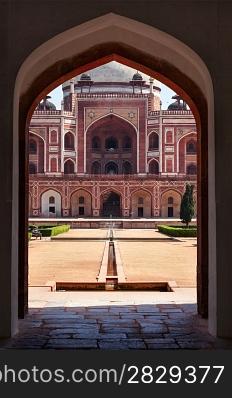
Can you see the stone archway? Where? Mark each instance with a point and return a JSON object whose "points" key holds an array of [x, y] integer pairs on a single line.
{"points": [[51, 203], [141, 204], [37, 151], [111, 204], [170, 204], [81, 203], [111, 135], [177, 65]]}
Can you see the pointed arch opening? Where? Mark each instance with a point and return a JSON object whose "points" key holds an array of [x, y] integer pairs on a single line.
{"points": [[69, 141], [69, 167], [176, 66]]}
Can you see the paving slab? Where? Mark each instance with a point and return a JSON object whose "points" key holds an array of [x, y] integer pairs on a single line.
{"points": [[154, 332]]}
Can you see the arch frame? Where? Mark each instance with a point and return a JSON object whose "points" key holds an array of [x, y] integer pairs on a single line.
{"points": [[106, 38], [178, 145], [74, 192], [171, 189], [114, 190], [80, 189], [74, 140], [148, 140], [127, 162], [165, 192], [110, 190], [45, 147], [155, 160], [119, 117], [142, 189], [113, 163], [49, 189], [73, 161], [99, 165], [58, 194]]}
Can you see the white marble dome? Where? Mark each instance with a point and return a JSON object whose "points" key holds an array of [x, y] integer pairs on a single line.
{"points": [[112, 72]]}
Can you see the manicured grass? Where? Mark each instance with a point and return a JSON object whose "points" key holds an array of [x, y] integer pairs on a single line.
{"points": [[178, 231]]}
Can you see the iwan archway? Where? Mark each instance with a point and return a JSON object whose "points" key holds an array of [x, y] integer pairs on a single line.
{"points": [[156, 53]]}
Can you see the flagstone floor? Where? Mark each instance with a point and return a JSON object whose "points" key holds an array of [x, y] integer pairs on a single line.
{"points": [[113, 320]]}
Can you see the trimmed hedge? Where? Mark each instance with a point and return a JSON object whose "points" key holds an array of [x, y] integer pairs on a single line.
{"points": [[53, 231], [178, 231], [31, 226]]}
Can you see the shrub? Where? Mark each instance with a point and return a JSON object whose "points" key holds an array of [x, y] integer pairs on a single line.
{"points": [[187, 205], [176, 231], [60, 229], [29, 235], [47, 231]]}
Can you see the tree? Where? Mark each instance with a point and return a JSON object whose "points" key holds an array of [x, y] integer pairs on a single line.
{"points": [[187, 205]]}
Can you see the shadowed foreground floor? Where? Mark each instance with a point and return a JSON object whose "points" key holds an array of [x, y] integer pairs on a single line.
{"points": [[114, 320]]}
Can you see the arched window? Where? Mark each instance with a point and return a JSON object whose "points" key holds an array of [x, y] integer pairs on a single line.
{"points": [[96, 168], [111, 143], [69, 167], [153, 141], [170, 200], [81, 200], [96, 143], [111, 168], [140, 201], [126, 144], [69, 141], [154, 167], [191, 147], [191, 169], [32, 147], [126, 168], [32, 168], [52, 207], [52, 200]]}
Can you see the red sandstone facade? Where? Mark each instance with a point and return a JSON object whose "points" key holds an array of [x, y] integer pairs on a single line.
{"points": [[110, 150]]}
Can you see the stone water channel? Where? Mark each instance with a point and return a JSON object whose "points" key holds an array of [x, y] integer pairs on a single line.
{"points": [[111, 274]]}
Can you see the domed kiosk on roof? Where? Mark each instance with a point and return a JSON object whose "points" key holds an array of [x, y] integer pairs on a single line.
{"points": [[113, 77], [137, 76], [85, 76], [178, 105], [46, 105]]}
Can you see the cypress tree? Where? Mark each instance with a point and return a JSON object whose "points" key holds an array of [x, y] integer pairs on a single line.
{"points": [[187, 205]]}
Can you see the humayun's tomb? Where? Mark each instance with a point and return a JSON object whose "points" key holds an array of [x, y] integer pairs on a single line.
{"points": [[111, 150]]}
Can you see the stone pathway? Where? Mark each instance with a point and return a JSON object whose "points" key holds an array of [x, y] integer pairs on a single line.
{"points": [[64, 261], [114, 320], [160, 261]]}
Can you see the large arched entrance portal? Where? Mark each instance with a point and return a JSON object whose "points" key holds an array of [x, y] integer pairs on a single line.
{"points": [[114, 140], [177, 66], [111, 204]]}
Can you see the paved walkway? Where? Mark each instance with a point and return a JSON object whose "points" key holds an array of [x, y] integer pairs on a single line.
{"points": [[139, 234], [84, 234], [64, 261], [114, 320], [143, 261], [160, 261]]}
